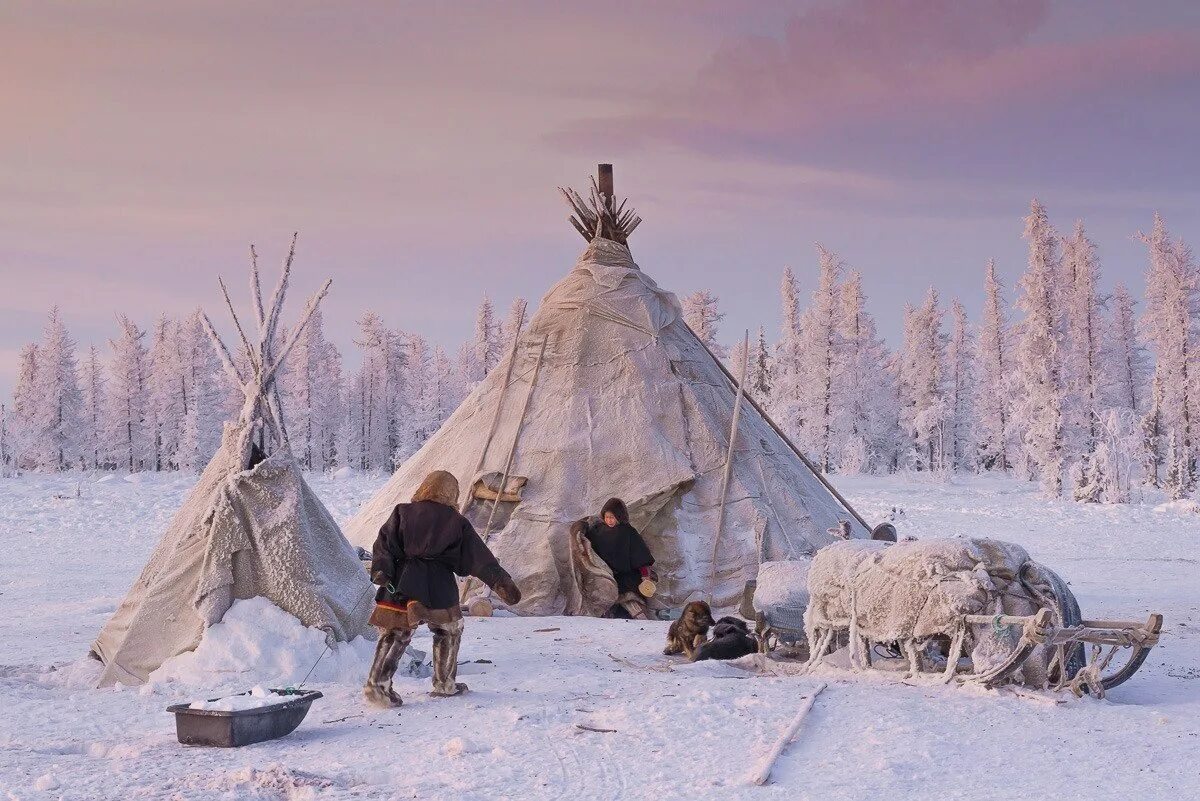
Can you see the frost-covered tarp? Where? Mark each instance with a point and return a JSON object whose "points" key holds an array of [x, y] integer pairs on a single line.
{"points": [[628, 403], [239, 534], [912, 591]]}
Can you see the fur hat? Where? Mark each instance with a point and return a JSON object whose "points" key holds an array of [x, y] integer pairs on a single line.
{"points": [[617, 507], [440, 487]]}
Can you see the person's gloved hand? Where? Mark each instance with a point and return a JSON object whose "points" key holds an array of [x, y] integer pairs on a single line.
{"points": [[508, 590]]}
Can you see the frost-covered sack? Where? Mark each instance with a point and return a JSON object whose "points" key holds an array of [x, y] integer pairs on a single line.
{"points": [[830, 583], [922, 588], [783, 586], [259, 643], [239, 534], [915, 590], [627, 403]]}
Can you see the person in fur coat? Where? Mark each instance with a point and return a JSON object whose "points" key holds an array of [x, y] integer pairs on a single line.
{"points": [[622, 548], [417, 554]]}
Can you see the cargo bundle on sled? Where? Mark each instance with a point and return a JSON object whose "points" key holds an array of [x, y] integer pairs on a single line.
{"points": [[969, 610]]}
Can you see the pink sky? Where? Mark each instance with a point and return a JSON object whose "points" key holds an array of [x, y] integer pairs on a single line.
{"points": [[416, 147]]}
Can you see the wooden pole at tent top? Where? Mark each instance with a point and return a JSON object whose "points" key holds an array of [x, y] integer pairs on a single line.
{"points": [[604, 180]]}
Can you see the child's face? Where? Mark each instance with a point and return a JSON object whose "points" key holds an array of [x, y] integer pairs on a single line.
{"points": [[610, 519]]}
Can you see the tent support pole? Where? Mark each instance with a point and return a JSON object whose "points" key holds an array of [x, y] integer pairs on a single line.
{"points": [[733, 431], [762, 413], [487, 529], [487, 444]]}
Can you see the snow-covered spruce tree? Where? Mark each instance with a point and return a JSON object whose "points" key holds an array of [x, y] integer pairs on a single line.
{"points": [[820, 363], [960, 392], [57, 423], [329, 409], [485, 345], [416, 426], [202, 395], [1038, 363], [1180, 474], [312, 396], [354, 438], [1153, 438], [1116, 463], [517, 316], [1170, 321], [441, 390], [164, 399], [128, 435], [785, 405], [7, 465], [759, 380], [92, 445], [1126, 361], [381, 393], [923, 403], [702, 313], [865, 415], [464, 362], [23, 429], [994, 360], [1083, 360], [738, 356]]}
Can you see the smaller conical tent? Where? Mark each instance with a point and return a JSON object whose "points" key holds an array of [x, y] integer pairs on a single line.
{"points": [[251, 526]]}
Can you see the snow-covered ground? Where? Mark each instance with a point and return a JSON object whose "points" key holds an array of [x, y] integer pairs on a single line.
{"points": [[692, 731]]}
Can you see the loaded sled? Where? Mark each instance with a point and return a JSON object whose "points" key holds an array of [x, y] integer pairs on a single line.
{"points": [[968, 610]]}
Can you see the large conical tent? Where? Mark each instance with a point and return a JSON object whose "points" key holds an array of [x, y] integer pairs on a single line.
{"points": [[610, 393], [251, 526]]}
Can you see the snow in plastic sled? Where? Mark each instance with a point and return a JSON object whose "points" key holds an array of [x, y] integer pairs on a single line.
{"points": [[235, 728]]}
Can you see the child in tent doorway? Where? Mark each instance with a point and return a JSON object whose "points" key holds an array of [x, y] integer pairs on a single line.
{"points": [[416, 556], [622, 548]]}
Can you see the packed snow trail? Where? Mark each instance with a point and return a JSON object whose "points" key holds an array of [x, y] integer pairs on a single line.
{"points": [[550, 715]]}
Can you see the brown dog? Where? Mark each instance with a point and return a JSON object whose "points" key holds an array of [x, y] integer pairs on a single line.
{"points": [[690, 630]]}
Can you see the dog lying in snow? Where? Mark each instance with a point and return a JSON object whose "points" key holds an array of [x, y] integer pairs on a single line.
{"points": [[731, 639], [690, 631]]}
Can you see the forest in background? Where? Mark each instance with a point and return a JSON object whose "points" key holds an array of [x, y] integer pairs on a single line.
{"points": [[1055, 381]]}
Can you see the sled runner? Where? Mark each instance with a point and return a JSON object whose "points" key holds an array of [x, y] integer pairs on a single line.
{"points": [[1101, 671]]}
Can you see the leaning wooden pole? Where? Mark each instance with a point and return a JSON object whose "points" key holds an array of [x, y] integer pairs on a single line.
{"points": [[512, 450], [487, 529], [487, 443], [733, 432], [763, 771], [766, 417]]}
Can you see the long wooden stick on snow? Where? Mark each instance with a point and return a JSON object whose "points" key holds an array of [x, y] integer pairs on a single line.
{"points": [[763, 771], [487, 443], [733, 431]]}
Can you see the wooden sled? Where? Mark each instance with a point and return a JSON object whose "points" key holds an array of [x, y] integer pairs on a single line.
{"points": [[1101, 671]]}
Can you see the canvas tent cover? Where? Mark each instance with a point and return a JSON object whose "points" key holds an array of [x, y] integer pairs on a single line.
{"points": [[627, 403], [239, 534]]}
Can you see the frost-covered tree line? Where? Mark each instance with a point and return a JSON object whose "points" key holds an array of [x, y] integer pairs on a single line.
{"points": [[1056, 381], [157, 398]]}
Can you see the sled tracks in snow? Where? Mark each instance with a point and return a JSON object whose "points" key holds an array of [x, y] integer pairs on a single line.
{"points": [[590, 772]]}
